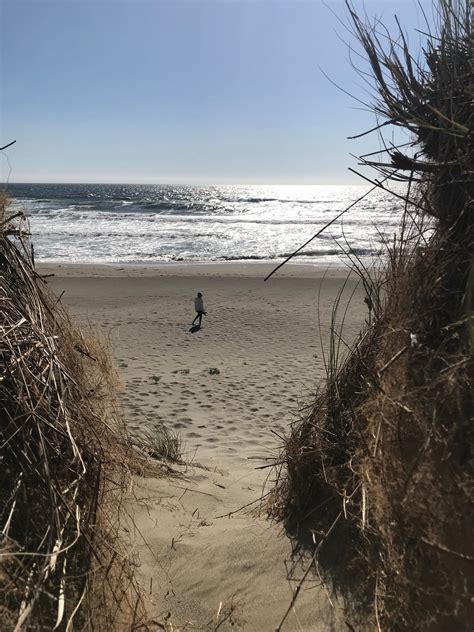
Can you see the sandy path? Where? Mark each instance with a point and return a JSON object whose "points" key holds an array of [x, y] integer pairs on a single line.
{"points": [[264, 341]]}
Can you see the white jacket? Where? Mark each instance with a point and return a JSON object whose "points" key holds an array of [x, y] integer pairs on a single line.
{"points": [[199, 304]]}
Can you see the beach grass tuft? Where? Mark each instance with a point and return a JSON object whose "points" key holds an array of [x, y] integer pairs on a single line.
{"points": [[161, 443]]}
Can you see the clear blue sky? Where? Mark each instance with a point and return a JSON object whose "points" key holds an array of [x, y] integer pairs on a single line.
{"points": [[181, 91]]}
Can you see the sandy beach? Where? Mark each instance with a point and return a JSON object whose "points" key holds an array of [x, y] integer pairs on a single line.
{"points": [[231, 389]]}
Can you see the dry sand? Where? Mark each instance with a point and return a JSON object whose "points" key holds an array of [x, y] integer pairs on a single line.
{"points": [[264, 339]]}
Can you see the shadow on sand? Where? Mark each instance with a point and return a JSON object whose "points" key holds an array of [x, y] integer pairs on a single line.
{"points": [[194, 328]]}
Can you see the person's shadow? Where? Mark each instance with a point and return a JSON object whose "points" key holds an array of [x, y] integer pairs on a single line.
{"points": [[194, 328]]}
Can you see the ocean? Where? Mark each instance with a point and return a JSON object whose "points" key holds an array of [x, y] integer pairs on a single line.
{"points": [[155, 224]]}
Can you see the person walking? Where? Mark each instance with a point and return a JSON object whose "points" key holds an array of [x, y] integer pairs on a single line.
{"points": [[199, 307]]}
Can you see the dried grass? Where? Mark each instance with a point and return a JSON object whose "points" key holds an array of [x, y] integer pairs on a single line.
{"points": [[64, 462], [378, 485]]}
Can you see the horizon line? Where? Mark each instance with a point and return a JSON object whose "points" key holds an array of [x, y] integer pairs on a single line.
{"points": [[179, 183]]}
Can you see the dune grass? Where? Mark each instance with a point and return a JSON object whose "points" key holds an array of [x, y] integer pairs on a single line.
{"points": [[64, 462], [161, 443], [377, 488]]}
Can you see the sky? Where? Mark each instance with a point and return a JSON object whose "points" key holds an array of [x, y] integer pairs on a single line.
{"points": [[176, 91]]}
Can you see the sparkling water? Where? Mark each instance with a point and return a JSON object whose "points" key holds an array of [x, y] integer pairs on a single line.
{"points": [[151, 224]]}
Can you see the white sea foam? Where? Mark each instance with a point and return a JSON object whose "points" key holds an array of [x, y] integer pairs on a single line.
{"points": [[153, 224]]}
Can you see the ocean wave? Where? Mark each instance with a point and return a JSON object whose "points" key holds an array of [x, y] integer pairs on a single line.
{"points": [[109, 223], [304, 253], [76, 215], [256, 200]]}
